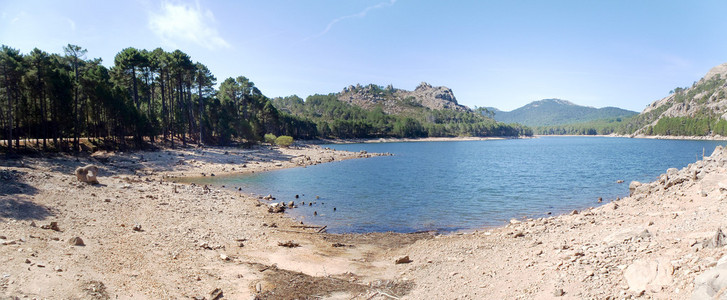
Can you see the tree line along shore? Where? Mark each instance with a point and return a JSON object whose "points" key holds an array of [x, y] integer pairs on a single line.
{"points": [[66, 102]]}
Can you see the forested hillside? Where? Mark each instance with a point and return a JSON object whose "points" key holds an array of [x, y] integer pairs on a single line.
{"points": [[56, 101], [699, 110], [375, 111], [557, 112]]}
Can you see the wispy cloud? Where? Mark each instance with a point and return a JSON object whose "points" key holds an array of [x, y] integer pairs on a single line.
{"points": [[184, 23], [358, 15], [71, 24]]}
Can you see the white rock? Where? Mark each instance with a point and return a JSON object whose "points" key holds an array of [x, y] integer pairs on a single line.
{"points": [[649, 274]]}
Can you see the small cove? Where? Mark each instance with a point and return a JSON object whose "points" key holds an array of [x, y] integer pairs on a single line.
{"points": [[464, 185]]}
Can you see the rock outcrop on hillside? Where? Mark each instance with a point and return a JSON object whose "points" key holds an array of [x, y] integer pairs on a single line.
{"points": [[705, 98], [395, 101]]}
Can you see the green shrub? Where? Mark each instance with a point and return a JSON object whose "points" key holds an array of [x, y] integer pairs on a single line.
{"points": [[284, 141], [270, 138]]}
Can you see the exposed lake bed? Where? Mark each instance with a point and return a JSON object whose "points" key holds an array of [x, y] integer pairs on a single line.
{"points": [[194, 240]]}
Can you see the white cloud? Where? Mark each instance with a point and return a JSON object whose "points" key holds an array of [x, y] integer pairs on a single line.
{"points": [[71, 24], [358, 15], [183, 23]]}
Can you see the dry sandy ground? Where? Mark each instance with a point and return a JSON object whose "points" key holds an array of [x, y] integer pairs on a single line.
{"points": [[148, 238]]}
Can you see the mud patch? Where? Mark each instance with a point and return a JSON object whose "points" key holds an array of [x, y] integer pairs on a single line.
{"points": [[384, 240], [284, 284]]}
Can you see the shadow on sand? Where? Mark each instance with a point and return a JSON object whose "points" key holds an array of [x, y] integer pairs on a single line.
{"points": [[13, 204]]}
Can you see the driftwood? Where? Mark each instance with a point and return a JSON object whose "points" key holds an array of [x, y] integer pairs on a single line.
{"points": [[306, 226]]}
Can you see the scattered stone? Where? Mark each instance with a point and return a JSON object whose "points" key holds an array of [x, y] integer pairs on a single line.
{"points": [[518, 234], [291, 204], [288, 244], [514, 221], [574, 212], [276, 208], [137, 227], [224, 257], [716, 241], [76, 241], [52, 226], [338, 245], [558, 292], [27, 261], [619, 181], [600, 199], [216, 294], [57, 269], [403, 260]]}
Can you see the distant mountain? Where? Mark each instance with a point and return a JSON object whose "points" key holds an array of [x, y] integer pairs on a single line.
{"points": [[549, 112], [699, 110]]}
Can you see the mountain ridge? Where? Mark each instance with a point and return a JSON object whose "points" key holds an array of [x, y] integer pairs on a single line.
{"points": [[699, 110], [554, 111]]}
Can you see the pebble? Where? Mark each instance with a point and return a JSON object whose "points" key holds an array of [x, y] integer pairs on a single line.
{"points": [[76, 241], [403, 260]]}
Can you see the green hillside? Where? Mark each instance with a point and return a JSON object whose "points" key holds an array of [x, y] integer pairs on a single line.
{"points": [[551, 112], [379, 112]]}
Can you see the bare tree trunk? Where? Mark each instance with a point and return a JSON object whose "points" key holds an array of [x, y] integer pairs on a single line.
{"points": [[8, 90], [201, 113], [180, 94]]}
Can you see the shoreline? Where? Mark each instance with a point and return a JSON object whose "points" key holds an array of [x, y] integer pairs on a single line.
{"points": [[641, 136], [193, 240], [412, 140]]}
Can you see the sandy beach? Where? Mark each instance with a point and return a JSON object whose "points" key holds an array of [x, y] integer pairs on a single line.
{"points": [[146, 237]]}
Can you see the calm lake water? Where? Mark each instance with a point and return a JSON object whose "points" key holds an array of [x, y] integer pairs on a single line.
{"points": [[447, 186]]}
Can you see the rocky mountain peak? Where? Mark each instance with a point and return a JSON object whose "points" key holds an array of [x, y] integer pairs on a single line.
{"points": [[721, 70], [395, 101]]}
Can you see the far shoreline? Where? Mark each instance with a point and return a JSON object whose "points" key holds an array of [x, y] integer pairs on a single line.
{"points": [[641, 136], [410, 140]]}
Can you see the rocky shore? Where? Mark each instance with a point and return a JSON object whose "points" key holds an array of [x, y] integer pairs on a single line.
{"points": [[137, 235]]}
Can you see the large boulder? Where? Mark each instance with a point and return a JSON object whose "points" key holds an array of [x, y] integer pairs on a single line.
{"points": [[710, 283], [653, 274], [633, 186]]}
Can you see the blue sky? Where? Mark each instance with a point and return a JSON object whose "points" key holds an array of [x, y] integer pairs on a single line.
{"points": [[491, 53]]}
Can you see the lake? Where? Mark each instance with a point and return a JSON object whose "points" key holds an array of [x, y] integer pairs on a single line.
{"points": [[465, 185]]}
